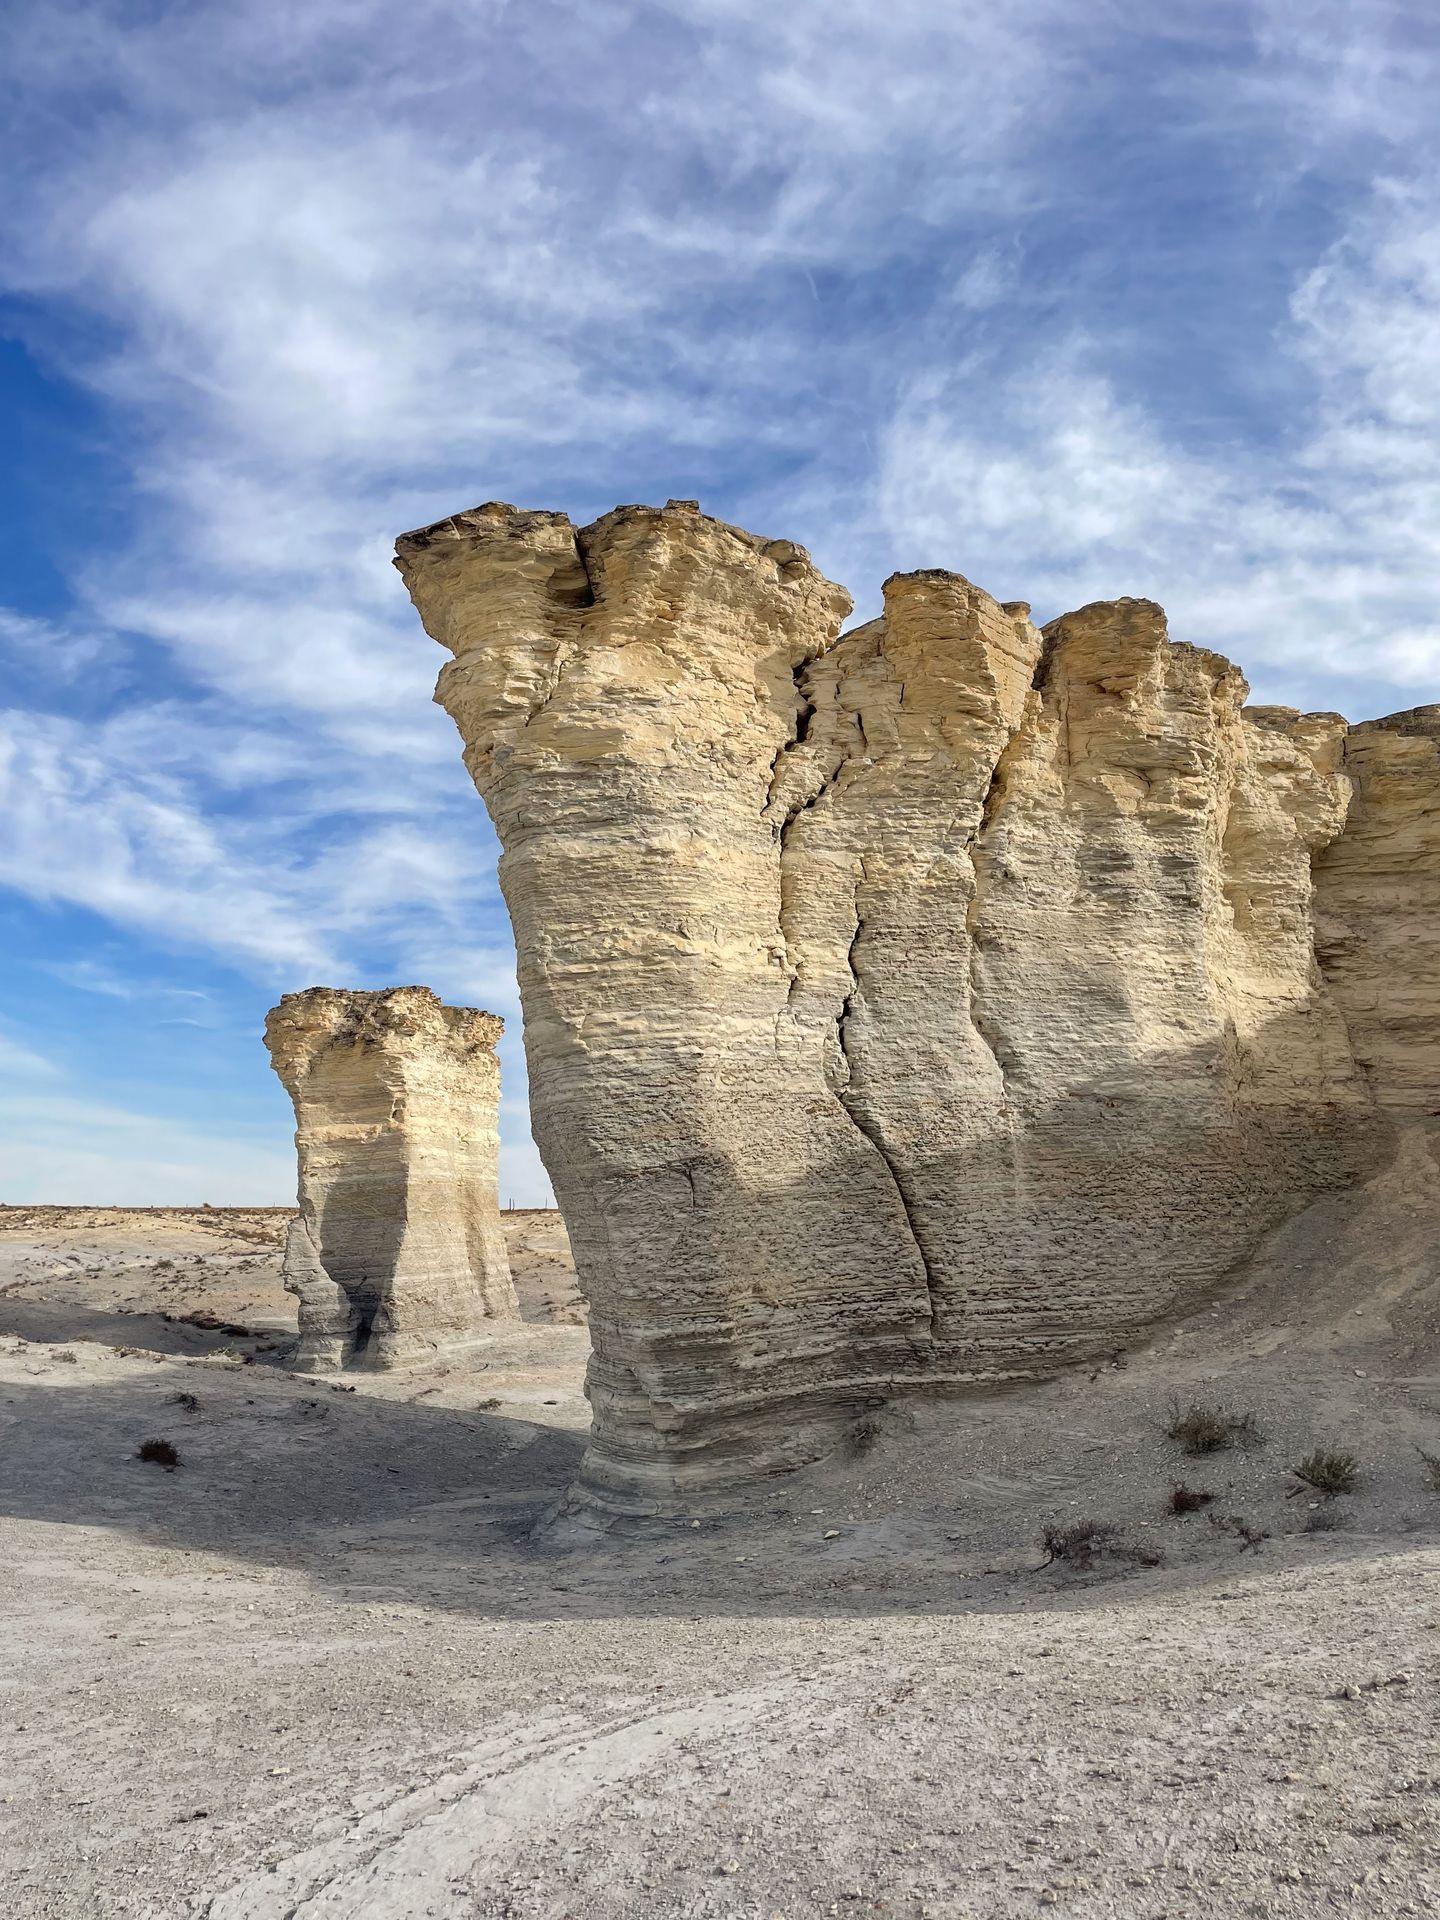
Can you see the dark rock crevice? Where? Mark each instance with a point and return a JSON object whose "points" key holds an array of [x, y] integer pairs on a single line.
{"points": [[854, 1110]]}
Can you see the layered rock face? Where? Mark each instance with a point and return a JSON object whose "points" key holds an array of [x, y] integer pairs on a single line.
{"points": [[1378, 910], [397, 1253], [929, 1005]]}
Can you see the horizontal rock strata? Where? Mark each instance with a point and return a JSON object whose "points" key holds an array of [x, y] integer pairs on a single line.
{"points": [[931, 1004], [398, 1253]]}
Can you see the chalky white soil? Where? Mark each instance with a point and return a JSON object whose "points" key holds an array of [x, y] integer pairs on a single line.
{"points": [[328, 1667]]}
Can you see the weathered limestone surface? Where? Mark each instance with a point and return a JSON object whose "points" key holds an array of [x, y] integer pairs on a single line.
{"points": [[397, 1253], [929, 1005], [1378, 904]]}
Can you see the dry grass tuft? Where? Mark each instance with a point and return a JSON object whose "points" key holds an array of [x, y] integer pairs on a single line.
{"points": [[1204, 1429], [159, 1453], [1082, 1542], [1329, 1470], [863, 1434]]}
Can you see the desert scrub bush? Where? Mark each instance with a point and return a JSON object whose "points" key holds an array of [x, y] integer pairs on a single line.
{"points": [[862, 1434], [159, 1453], [1082, 1542], [1329, 1470], [1432, 1468], [1185, 1499], [1204, 1429]]}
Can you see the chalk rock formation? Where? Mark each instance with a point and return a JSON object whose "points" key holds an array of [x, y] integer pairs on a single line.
{"points": [[397, 1253], [929, 1005], [1378, 909]]}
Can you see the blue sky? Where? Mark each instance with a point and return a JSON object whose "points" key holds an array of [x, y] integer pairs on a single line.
{"points": [[1080, 297]]}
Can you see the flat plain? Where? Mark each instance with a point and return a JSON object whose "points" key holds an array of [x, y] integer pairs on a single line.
{"points": [[336, 1662]]}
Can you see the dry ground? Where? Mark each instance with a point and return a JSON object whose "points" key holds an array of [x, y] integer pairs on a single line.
{"points": [[326, 1667]]}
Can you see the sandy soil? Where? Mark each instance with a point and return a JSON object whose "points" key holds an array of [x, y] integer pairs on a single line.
{"points": [[328, 1667], [111, 1273]]}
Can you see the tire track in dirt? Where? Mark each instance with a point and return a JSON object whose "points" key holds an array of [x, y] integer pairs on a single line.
{"points": [[417, 1854]]}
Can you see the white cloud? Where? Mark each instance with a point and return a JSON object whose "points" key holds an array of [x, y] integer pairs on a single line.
{"points": [[1328, 73], [333, 270], [1367, 321], [66, 1151], [103, 817], [348, 291], [1315, 556], [20, 1062], [65, 1148], [106, 836], [57, 652]]}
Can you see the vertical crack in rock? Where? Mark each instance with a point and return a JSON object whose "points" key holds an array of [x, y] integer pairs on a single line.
{"points": [[799, 802], [569, 595], [853, 1108], [820, 769], [978, 848], [804, 713]]}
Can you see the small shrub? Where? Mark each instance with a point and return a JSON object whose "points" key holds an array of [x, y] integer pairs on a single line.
{"points": [[1239, 1527], [1083, 1542], [1329, 1470], [159, 1453], [862, 1434], [1432, 1468], [1185, 1499], [1079, 1543], [1202, 1429]]}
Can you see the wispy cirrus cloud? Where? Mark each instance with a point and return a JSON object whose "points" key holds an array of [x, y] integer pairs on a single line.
{"points": [[1311, 557], [99, 819], [1082, 300], [63, 1149]]}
